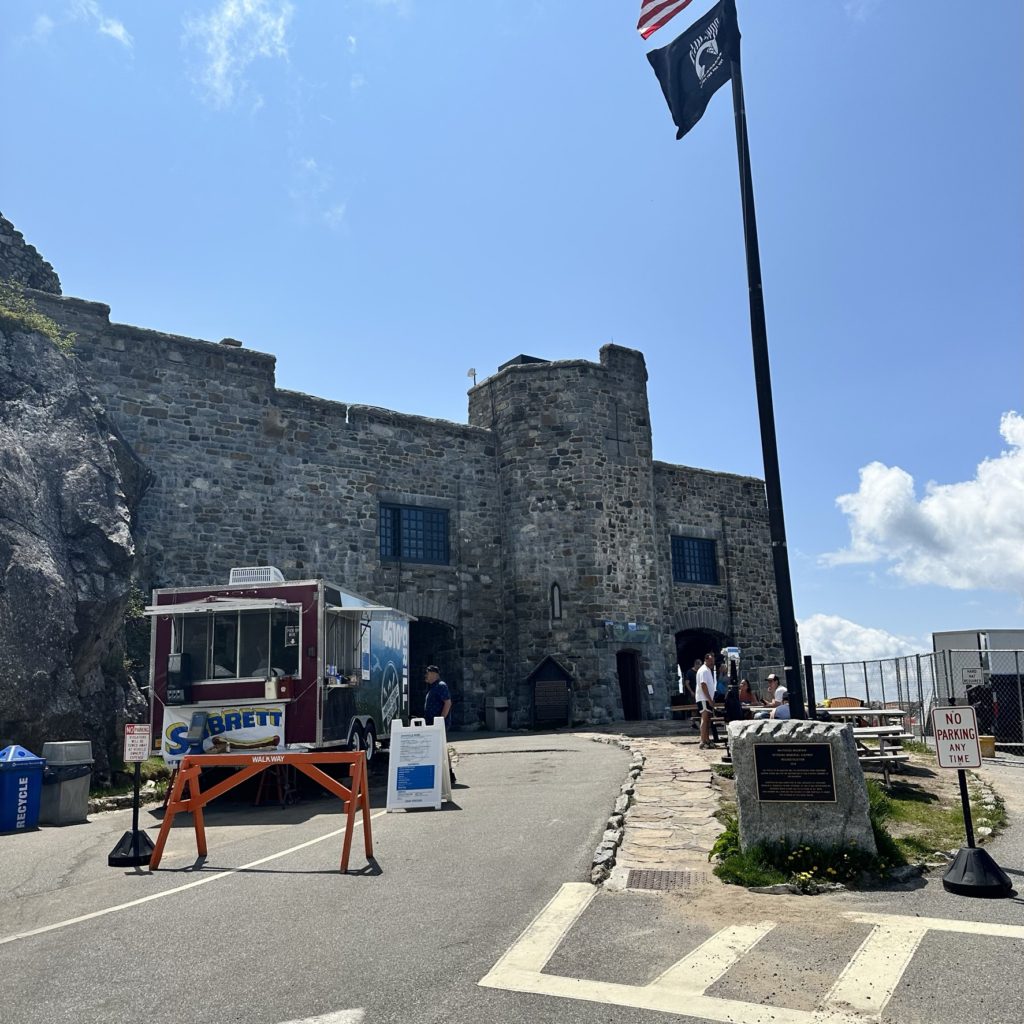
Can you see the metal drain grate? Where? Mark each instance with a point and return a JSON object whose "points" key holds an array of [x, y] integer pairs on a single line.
{"points": [[662, 880]]}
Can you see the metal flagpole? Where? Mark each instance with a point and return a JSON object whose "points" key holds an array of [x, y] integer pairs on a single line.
{"points": [[765, 408]]}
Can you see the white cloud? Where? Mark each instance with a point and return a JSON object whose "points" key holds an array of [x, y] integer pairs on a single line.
{"points": [[351, 44], [90, 9], [42, 27], [313, 193], [231, 37], [961, 535], [356, 82], [831, 638], [861, 10], [334, 216]]}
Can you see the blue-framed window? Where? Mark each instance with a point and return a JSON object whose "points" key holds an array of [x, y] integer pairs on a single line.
{"points": [[694, 561], [414, 534]]}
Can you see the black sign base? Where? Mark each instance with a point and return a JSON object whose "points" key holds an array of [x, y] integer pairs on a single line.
{"points": [[133, 850], [974, 873]]}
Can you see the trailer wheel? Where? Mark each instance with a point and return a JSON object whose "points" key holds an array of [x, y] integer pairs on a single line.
{"points": [[370, 740], [355, 739]]}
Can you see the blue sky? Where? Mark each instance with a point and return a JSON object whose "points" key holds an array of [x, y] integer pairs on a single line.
{"points": [[384, 193]]}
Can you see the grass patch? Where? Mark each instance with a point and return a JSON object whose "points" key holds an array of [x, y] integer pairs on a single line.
{"points": [[917, 747], [18, 311], [909, 821], [155, 769], [726, 771], [922, 823], [805, 865]]}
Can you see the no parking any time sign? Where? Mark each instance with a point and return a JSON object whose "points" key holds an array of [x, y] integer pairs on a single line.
{"points": [[956, 737]]}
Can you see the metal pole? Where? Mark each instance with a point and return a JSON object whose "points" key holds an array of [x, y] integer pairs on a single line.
{"points": [[966, 801], [867, 692], [812, 702], [1020, 695], [135, 810], [765, 407], [920, 695]]}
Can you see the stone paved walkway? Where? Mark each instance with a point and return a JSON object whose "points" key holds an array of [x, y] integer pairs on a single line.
{"points": [[669, 824]]}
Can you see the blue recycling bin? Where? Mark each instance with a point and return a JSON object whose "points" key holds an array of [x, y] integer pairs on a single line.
{"points": [[21, 788]]}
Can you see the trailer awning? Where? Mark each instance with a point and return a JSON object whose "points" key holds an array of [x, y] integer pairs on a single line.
{"points": [[351, 609], [208, 605]]}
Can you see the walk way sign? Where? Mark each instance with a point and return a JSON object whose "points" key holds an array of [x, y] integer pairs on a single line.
{"points": [[956, 737], [858, 995], [418, 773]]}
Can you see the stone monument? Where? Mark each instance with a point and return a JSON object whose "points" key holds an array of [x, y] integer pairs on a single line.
{"points": [[799, 782]]}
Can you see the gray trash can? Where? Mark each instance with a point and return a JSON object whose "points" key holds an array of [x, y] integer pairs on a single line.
{"points": [[66, 781], [496, 714]]}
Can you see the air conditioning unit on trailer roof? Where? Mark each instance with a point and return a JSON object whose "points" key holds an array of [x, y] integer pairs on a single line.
{"points": [[256, 574]]}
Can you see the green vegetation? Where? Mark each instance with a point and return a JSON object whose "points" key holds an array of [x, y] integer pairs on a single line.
{"points": [[18, 311], [724, 771], [922, 822], [155, 770], [909, 822], [917, 747], [136, 632], [805, 866]]}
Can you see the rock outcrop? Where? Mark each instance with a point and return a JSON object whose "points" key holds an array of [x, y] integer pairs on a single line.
{"points": [[21, 262], [69, 484]]}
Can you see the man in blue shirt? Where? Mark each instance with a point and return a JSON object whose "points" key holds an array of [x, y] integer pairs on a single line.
{"points": [[438, 703]]}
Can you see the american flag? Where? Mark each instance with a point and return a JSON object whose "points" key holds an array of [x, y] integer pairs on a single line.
{"points": [[655, 13]]}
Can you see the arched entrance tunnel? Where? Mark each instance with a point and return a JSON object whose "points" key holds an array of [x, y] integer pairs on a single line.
{"points": [[692, 644], [432, 642]]}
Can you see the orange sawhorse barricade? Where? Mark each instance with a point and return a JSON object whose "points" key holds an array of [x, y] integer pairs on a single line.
{"points": [[356, 795]]}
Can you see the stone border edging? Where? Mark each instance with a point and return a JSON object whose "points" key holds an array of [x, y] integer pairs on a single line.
{"points": [[604, 855]]}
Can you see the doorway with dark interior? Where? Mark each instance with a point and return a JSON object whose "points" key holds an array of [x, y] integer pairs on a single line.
{"points": [[693, 644], [627, 664], [432, 642]]}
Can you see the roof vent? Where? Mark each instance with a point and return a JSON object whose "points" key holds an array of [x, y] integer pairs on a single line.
{"points": [[256, 574]]}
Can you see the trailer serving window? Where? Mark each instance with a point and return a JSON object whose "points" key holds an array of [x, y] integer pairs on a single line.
{"points": [[343, 645], [238, 643]]}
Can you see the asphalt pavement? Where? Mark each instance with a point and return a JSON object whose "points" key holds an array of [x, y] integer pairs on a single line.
{"points": [[480, 912]]}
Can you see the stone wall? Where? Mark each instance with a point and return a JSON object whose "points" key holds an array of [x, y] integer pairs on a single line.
{"points": [[552, 481], [732, 511], [573, 445], [20, 261]]}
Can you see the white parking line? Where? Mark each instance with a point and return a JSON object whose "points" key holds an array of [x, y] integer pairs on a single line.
{"points": [[858, 996], [205, 880], [870, 978]]}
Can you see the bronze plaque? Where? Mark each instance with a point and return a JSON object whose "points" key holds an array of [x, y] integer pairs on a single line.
{"points": [[795, 772]]}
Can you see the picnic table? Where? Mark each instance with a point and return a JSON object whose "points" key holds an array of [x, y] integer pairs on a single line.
{"points": [[888, 715], [889, 754]]}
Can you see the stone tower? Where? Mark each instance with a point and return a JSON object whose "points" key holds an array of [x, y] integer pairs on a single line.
{"points": [[577, 521]]}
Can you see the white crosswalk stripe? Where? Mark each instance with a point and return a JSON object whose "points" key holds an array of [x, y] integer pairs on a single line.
{"points": [[860, 994]]}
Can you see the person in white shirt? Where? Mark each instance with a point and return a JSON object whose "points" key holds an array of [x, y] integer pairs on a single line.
{"points": [[777, 694], [706, 698]]}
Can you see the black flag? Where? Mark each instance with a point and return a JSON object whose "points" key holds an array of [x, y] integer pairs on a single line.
{"points": [[694, 65]]}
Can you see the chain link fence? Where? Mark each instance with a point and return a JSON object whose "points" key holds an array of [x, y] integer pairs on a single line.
{"points": [[990, 681]]}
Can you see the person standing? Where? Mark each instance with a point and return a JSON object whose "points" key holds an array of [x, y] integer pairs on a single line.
{"points": [[438, 701], [438, 704], [706, 700]]}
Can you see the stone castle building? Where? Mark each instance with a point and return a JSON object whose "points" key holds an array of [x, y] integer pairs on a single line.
{"points": [[547, 556]]}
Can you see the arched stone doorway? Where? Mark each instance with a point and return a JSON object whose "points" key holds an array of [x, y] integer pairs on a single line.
{"points": [[432, 642], [692, 644]]}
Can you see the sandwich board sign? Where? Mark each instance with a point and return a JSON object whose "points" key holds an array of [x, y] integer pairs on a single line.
{"points": [[956, 737], [418, 765]]}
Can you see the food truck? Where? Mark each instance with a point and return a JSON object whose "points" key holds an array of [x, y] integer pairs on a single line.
{"points": [[266, 663]]}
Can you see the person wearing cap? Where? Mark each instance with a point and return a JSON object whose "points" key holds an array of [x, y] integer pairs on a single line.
{"points": [[777, 695], [438, 702]]}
